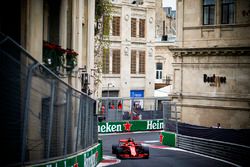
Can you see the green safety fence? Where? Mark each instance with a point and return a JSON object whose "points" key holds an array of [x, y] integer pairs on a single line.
{"points": [[90, 157], [130, 126], [168, 138]]}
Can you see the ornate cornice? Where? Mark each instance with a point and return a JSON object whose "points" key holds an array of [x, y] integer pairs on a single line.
{"points": [[217, 51]]}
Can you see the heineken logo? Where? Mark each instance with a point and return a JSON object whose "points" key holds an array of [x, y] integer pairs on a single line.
{"points": [[109, 128], [127, 126], [153, 125]]}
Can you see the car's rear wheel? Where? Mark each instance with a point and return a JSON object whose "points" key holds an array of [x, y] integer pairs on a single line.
{"points": [[114, 148], [119, 151], [146, 151]]}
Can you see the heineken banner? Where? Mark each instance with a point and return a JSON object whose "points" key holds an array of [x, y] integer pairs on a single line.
{"points": [[88, 158], [130, 126]]}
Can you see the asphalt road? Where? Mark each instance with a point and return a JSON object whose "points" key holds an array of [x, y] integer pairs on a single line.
{"points": [[159, 155]]}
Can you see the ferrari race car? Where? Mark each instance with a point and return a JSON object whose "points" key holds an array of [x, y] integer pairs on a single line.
{"points": [[127, 148]]}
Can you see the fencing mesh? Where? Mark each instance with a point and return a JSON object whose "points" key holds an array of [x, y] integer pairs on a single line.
{"points": [[42, 116], [117, 109]]}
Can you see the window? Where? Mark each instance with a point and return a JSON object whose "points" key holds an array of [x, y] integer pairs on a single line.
{"points": [[158, 70], [133, 27], [227, 11], [208, 12], [142, 62], [133, 62], [105, 61], [142, 28], [116, 26], [116, 61]]}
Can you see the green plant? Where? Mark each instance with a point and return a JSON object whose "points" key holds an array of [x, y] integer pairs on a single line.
{"points": [[103, 15]]}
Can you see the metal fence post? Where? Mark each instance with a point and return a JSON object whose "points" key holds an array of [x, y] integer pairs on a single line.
{"points": [[66, 121], [78, 122], [176, 119], [86, 122], [26, 110], [51, 111]]}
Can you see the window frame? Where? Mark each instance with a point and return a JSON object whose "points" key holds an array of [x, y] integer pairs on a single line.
{"points": [[116, 61], [228, 12], [142, 28], [105, 61], [210, 20], [133, 62], [159, 71]]}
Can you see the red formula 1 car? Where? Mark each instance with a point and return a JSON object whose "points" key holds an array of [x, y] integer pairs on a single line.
{"points": [[127, 148]]}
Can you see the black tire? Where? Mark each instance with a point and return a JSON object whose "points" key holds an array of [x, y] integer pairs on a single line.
{"points": [[119, 151], [114, 148], [146, 150]]}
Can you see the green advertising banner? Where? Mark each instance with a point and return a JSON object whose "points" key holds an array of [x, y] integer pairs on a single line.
{"points": [[130, 126], [168, 138], [88, 158]]}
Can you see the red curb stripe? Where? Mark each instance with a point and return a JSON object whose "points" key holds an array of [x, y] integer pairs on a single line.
{"points": [[109, 161]]}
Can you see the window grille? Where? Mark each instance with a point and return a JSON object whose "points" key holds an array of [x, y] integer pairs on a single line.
{"points": [[116, 26], [105, 61], [133, 27], [133, 62], [142, 28], [141, 62], [116, 61]]}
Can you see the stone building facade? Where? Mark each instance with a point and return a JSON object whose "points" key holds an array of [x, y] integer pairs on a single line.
{"points": [[128, 66], [211, 68], [165, 38], [68, 23]]}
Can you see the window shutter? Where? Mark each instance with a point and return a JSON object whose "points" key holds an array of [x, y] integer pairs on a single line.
{"points": [[133, 27], [116, 61], [142, 62], [105, 61], [116, 26], [133, 62], [142, 28]]}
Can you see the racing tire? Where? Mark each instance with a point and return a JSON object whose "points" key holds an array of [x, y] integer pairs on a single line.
{"points": [[119, 151], [146, 150], [114, 148]]}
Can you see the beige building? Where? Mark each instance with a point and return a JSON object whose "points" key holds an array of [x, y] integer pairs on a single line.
{"points": [[211, 68], [128, 65], [68, 23], [165, 38]]}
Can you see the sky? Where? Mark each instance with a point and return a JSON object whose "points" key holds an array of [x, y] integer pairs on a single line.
{"points": [[169, 3]]}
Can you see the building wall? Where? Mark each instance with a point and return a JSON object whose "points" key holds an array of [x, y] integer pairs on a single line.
{"points": [[162, 53], [222, 50], [124, 82], [192, 32], [74, 28]]}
